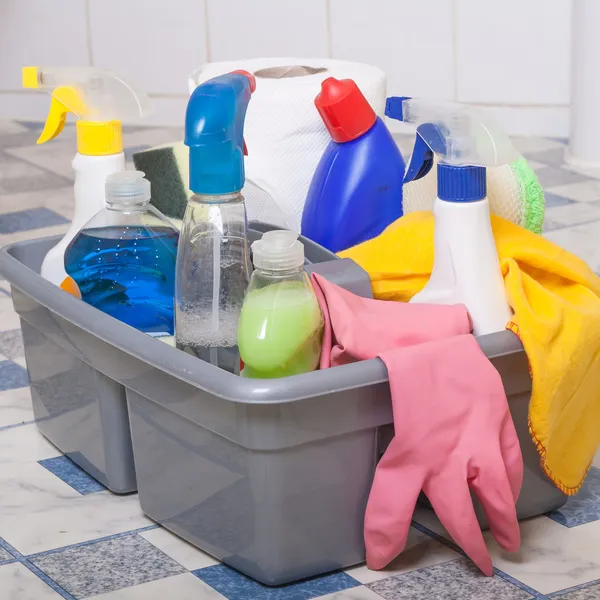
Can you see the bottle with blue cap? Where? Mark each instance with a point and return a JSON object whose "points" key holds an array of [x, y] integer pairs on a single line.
{"points": [[466, 267], [213, 260]]}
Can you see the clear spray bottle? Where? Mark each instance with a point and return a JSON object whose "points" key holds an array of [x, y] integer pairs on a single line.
{"points": [[213, 260]]}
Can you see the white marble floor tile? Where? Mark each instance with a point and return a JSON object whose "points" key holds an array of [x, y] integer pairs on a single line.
{"points": [[15, 406], [357, 593], [57, 515], [421, 551], [24, 444], [582, 191], [19, 583], [581, 240], [8, 317], [179, 550], [571, 214], [178, 587], [10, 127], [55, 156], [587, 171], [596, 462], [535, 165], [552, 557], [533, 145], [20, 360]]}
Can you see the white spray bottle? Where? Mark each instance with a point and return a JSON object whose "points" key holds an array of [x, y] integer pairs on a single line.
{"points": [[99, 100], [466, 267]]}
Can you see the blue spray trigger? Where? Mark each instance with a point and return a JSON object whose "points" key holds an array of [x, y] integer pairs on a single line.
{"points": [[393, 107], [421, 160], [214, 132]]}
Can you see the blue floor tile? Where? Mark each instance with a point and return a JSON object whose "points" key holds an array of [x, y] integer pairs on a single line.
{"points": [[584, 507], [12, 375], [71, 474], [25, 220], [235, 586]]}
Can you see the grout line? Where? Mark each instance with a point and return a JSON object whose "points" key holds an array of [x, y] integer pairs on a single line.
{"points": [[328, 29], [5, 427], [454, 48], [69, 182], [47, 580], [207, 31], [449, 544], [106, 538], [10, 549], [581, 586], [509, 579], [88, 32]]}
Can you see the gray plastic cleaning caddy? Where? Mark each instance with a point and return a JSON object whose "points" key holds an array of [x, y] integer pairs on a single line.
{"points": [[271, 477]]}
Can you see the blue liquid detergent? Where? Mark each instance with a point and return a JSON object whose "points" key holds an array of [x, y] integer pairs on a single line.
{"points": [[128, 273]]}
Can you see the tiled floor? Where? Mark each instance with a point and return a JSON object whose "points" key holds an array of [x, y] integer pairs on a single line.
{"points": [[63, 535]]}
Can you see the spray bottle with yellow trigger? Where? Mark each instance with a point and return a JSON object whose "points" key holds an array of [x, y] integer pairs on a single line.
{"points": [[466, 267], [100, 101]]}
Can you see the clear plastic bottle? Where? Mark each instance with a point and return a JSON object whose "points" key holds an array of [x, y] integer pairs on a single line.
{"points": [[123, 259], [280, 331], [213, 263], [213, 269]]}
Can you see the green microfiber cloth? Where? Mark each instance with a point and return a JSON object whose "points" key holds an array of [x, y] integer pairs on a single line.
{"points": [[532, 193], [167, 169]]}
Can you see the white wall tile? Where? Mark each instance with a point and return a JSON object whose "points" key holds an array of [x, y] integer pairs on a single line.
{"points": [[155, 43], [411, 41], [514, 51], [267, 28], [39, 32]]}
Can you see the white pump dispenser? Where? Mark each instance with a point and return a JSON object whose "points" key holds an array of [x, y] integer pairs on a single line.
{"points": [[466, 267]]}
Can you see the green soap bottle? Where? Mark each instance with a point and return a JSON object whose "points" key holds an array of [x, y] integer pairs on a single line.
{"points": [[280, 330]]}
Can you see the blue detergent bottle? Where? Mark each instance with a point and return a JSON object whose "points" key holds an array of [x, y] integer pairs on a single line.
{"points": [[123, 259], [356, 191]]}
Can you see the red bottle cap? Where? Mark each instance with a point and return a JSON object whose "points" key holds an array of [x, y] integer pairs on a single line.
{"points": [[250, 77], [346, 113]]}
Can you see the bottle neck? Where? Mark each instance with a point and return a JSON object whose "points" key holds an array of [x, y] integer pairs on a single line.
{"points": [[124, 207], [280, 273], [218, 198]]}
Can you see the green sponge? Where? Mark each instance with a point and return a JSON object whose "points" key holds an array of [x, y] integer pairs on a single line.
{"points": [[532, 193], [167, 169]]}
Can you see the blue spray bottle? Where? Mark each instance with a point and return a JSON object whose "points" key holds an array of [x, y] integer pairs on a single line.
{"points": [[213, 261], [356, 191]]}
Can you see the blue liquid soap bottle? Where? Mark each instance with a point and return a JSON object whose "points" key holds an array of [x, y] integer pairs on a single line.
{"points": [[123, 259], [356, 191], [213, 262]]}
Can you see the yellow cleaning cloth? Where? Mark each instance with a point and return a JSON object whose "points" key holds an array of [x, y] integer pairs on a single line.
{"points": [[556, 301]]}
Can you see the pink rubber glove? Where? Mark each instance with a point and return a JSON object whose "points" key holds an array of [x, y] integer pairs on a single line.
{"points": [[453, 428]]}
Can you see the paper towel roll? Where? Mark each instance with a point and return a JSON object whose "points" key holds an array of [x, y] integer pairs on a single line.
{"points": [[284, 133]]}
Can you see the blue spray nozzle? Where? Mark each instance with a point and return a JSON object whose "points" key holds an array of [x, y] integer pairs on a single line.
{"points": [[429, 141], [214, 133]]}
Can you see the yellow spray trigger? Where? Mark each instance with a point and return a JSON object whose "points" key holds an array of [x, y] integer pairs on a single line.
{"points": [[64, 100]]}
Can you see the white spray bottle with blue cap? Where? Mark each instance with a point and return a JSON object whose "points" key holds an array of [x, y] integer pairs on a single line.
{"points": [[466, 267], [213, 258]]}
